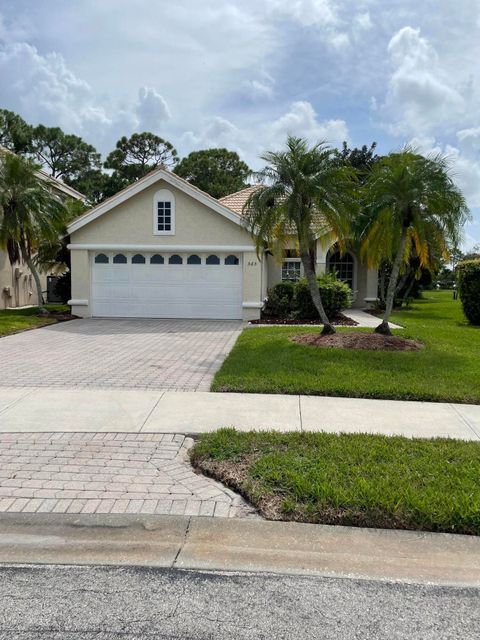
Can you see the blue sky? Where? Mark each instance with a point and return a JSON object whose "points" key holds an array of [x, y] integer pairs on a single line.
{"points": [[244, 73]]}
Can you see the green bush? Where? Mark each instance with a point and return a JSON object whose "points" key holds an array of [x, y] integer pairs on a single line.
{"points": [[468, 276], [280, 300], [336, 295]]}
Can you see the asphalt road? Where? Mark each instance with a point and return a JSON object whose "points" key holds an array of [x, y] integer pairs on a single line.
{"points": [[100, 603]]}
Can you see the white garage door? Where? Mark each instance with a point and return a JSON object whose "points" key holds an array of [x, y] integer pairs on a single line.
{"points": [[167, 285]]}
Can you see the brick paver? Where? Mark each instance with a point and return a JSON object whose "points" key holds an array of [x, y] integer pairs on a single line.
{"points": [[180, 355], [108, 473]]}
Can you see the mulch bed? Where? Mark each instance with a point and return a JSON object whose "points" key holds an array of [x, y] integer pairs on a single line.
{"points": [[369, 341], [339, 320], [58, 316]]}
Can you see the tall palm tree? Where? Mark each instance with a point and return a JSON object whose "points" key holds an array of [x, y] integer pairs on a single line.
{"points": [[410, 200], [308, 194], [30, 212]]}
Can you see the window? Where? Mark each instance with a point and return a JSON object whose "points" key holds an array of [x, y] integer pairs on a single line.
{"points": [[101, 258], [291, 269], [343, 266], [138, 259], [175, 259], [212, 260], [164, 213], [157, 259], [119, 259], [194, 260], [231, 260]]}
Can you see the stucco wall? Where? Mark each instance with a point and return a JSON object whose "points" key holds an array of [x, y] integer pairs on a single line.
{"points": [[366, 279], [23, 291], [131, 223]]}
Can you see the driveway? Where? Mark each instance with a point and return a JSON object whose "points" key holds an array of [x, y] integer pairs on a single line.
{"points": [[180, 355]]}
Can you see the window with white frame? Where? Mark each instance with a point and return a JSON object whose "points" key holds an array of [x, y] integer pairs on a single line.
{"points": [[291, 269], [164, 213], [343, 266]]}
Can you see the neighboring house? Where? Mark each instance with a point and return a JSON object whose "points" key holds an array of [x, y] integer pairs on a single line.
{"points": [[17, 288], [161, 248]]}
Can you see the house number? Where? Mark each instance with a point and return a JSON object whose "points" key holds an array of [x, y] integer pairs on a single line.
{"points": [[252, 264]]}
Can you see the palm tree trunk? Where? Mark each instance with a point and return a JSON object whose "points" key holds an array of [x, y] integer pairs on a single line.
{"points": [[315, 293], [34, 273], [384, 328]]}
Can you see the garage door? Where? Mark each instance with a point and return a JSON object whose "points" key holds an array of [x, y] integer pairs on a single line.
{"points": [[167, 285]]}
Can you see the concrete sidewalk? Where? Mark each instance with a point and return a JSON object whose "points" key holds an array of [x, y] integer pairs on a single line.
{"points": [[81, 410], [224, 544]]}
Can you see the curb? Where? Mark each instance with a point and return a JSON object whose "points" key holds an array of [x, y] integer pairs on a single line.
{"points": [[223, 544]]}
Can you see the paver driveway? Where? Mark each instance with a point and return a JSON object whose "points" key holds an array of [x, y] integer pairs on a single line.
{"points": [[178, 355], [108, 473]]}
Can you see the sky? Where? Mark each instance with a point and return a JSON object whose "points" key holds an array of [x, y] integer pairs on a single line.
{"points": [[244, 73]]}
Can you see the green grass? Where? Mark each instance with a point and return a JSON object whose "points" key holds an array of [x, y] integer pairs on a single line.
{"points": [[350, 479], [16, 320], [264, 360]]}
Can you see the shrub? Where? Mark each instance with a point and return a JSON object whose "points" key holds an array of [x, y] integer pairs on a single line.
{"points": [[468, 276], [336, 295], [280, 300], [63, 287]]}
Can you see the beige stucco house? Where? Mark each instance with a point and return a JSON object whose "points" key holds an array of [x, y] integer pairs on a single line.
{"points": [[162, 248], [17, 288]]}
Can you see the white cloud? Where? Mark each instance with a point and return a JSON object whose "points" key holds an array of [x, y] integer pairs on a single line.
{"points": [[301, 120], [420, 96], [152, 109], [215, 132], [307, 12], [44, 90]]}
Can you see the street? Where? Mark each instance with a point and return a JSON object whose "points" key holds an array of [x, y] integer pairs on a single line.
{"points": [[110, 603]]}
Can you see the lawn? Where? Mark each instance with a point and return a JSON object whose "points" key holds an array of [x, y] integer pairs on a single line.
{"points": [[16, 320], [350, 479], [264, 360]]}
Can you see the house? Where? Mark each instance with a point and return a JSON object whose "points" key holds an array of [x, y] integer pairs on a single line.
{"points": [[17, 288], [162, 248]]}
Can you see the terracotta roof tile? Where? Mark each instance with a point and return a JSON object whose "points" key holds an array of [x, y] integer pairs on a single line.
{"points": [[236, 201]]}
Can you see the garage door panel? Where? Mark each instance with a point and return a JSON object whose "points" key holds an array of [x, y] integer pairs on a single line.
{"points": [[168, 290]]}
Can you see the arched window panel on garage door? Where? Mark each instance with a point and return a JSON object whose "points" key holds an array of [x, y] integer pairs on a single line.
{"points": [[194, 259], [232, 260], [101, 258], [157, 259], [119, 258], [213, 259], [138, 259], [175, 259]]}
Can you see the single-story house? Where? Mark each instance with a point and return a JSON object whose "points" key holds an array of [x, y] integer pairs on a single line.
{"points": [[17, 288], [162, 248]]}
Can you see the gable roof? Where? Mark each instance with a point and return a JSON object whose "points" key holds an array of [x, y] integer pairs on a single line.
{"points": [[55, 182], [147, 181]]}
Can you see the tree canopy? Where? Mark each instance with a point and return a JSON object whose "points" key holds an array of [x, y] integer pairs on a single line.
{"points": [[413, 206], [139, 154], [308, 193], [219, 172], [15, 133], [30, 211], [63, 155]]}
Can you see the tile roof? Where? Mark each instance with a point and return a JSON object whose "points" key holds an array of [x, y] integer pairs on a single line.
{"points": [[236, 201]]}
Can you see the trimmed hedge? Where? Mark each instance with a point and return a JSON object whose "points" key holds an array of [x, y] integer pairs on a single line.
{"points": [[468, 277], [293, 299]]}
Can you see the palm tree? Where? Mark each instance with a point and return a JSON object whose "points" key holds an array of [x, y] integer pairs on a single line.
{"points": [[410, 200], [308, 194], [30, 213]]}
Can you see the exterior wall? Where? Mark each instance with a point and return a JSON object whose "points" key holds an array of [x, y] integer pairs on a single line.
{"points": [[196, 225], [366, 283], [17, 286], [131, 222]]}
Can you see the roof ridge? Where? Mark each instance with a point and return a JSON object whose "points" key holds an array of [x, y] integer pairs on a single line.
{"points": [[234, 193]]}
